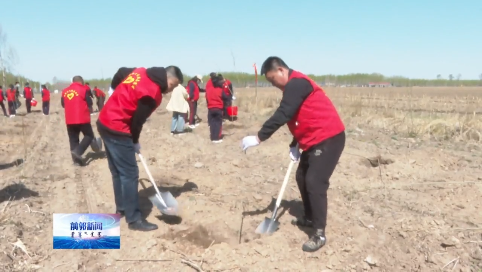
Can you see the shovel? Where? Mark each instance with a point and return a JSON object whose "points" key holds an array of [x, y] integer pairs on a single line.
{"points": [[165, 201], [270, 225], [96, 144]]}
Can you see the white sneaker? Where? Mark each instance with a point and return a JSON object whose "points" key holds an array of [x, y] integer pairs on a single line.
{"points": [[192, 126], [13, 115], [196, 125], [217, 142]]}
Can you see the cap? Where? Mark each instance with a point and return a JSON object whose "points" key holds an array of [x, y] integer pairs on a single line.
{"points": [[200, 78]]}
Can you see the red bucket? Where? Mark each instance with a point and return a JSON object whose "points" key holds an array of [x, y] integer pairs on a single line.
{"points": [[33, 103], [232, 111]]}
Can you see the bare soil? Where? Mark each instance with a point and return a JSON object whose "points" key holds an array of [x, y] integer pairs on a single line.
{"points": [[395, 204]]}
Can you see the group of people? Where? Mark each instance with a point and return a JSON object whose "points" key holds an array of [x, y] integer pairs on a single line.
{"points": [[317, 129], [184, 104], [12, 95]]}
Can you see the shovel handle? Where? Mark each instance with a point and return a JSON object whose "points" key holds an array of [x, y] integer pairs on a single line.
{"points": [[285, 182], [143, 161]]}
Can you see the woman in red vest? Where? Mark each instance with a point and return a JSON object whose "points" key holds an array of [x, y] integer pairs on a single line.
{"points": [[193, 91], [45, 100], [317, 130], [11, 100], [215, 98], [2, 97], [100, 95], [28, 95]]}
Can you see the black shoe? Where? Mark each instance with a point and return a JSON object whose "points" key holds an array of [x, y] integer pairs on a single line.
{"points": [[302, 222], [76, 156], [142, 225], [317, 241], [121, 213]]}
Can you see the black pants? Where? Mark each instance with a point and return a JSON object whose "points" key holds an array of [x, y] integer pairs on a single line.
{"points": [[192, 112], [28, 104], [100, 103], [12, 108], [74, 133], [3, 108], [45, 107], [313, 177], [215, 119]]}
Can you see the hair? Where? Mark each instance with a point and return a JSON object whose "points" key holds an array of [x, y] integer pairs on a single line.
{"points": [[87, 83], [43, 86], [217, 81], [78, 79], [272, 63], [174, 71], [212, 74], [95, 87], [11, 86], [27, 84]]}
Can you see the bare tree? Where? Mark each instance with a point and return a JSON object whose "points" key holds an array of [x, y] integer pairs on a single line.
{"points": [[459, 76], [480, 76], [8, 56], [439, 76], [451, 77]]}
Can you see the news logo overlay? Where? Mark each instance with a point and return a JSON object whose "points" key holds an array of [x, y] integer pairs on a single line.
{"points": [[86, 231]]}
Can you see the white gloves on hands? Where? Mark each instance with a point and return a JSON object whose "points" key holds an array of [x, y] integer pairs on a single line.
{"points": [[137, 148], [295, 153], [111, 91], [249, 141], [233, 98]]}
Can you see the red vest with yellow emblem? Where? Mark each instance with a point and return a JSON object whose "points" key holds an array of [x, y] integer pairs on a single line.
{"points": [[75, 106], [120, 107]]}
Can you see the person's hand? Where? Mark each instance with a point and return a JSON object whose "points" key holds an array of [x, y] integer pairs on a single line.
{"points": [[137, 148], [295, 153], [249, 141], [233, 98]]}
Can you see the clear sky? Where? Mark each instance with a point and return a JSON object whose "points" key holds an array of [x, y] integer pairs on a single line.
{"points": [[94, 38]]}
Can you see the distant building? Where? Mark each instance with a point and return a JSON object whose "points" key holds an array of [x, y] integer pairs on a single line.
{"points": [[380, 84]]}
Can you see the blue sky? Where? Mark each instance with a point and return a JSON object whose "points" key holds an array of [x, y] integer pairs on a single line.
{"points": [[94, 38]]}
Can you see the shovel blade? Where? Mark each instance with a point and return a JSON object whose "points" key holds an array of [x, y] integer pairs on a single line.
{"points": [[267, 226], [171, 207], [96, 144]]}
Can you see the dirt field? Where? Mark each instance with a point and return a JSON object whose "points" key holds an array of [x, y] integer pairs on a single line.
{"points": [[416, 207]]}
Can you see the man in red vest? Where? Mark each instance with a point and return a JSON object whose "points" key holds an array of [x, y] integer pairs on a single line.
{"points": [[317, 130], [2, 97], [45, 100], [215, 98], [28, 95], [100, 95], [228, 91], [12, 100], [137, 94], [76, 103], [89, 94], [193, 91]]}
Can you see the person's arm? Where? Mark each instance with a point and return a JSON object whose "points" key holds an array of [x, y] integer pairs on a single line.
{"points": [[88, 99], [62, 102], [145, 106], [295, 93], [119, 76], [191, 89]]}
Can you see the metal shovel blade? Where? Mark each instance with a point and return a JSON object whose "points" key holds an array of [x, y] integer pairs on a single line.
{"points": [[267, 226], [96, 144], [171, 207]]}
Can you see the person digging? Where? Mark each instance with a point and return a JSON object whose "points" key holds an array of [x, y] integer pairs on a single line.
{"points": [[317, 130]]}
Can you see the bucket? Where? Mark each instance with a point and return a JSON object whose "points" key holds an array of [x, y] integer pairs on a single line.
{"points": [[33, 103], [232, 111]]}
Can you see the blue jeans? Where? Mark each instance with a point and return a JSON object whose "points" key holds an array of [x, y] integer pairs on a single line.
{"points": [[177, 124], [125, 175]]}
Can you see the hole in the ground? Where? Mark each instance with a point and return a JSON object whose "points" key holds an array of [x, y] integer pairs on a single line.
{"points": [[202, 236]]}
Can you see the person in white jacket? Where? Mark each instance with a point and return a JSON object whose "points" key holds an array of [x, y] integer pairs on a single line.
{"points": [[179, 106]]}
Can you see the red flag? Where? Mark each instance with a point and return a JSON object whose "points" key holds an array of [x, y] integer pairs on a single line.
{"points": [[256, 73]]}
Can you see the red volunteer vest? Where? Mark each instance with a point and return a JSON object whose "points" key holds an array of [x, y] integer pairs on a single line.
{"points": [[99, 92], [46, 95], [317, 118], [11, 95], [1, 95], [75, 106], [226, 89], [214, 97], [120, 107], [28, 92], [209, 84], [196, 90]]}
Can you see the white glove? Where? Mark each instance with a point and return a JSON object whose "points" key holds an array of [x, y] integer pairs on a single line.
{"points": [[137, 148], [295, 153], [249, 141], [234, 97], [111, 91]]}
